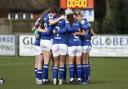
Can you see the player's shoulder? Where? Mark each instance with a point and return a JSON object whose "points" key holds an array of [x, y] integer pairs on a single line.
{"points": [[63, 21], [84, 20], [76, 22], [47, 16]]}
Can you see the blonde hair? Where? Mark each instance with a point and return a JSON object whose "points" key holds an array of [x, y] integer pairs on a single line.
{"points": [[78, 12], [68, 11]]}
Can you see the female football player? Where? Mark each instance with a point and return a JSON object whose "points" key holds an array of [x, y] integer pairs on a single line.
{"points": [[38, 53], [86, 45], [46, 39], [74, 48], [59, 49]]}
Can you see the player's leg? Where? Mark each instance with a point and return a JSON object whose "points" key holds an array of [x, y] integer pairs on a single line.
{"points": [[65, 70], [55, 70], [84, 68], [85, 54], [71, 53], [46, 55], [55, 51], [86, 65], [78, 63], [39, 69], [62, 53], [46, 45], [61, 69], [38, 65]]}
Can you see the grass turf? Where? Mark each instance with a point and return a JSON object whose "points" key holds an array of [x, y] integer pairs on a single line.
{"points": [[106, 73]]}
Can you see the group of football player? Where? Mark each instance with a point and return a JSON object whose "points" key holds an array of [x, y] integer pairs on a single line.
{"points": [[63, 36]]}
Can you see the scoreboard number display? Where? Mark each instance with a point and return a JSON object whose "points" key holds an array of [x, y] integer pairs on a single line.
{"points": [[82, 4], [77, 3]]}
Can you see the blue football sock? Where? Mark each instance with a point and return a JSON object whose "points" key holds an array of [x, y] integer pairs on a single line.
{"points": [[71, 71], [65, 71], [84, 76], [79, 71], [45, 71], [55, 72], [88, 72], [61, 72], [39, 74], [75, 71]]}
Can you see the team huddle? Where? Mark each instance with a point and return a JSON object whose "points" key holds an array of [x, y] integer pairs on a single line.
{"points": [[64, 37]]}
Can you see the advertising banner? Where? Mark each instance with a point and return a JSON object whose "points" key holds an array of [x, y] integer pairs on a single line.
{"points": [[109, 46], [26, 47], [7, 45], [102, 46]]}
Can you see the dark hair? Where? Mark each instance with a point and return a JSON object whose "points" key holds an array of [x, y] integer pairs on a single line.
{"points": [[70, 18], [42, 23], [61, 11], [53, 9]]}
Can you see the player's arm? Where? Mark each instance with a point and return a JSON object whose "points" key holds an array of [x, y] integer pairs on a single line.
{"points": [[59, 31], [42, 30], [52, 22], [80, 33], [36, 25], [85, 25], [63, 30], [92, 31], [34, 28], [35, 31], [69, 28], [47, 32]]}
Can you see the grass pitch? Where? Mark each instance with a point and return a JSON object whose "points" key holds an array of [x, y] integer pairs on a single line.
{"points": [[106, 73]]}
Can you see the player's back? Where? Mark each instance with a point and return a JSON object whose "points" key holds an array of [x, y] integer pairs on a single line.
{"points": [[73, 40], [85, 25], [61, 36], [48, 34], [47, 17]]}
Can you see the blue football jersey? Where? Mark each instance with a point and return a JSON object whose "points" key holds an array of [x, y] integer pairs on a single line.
{"points": [[60, 37], [48, 34], [85, 25], [73, 40], [86, 39]]}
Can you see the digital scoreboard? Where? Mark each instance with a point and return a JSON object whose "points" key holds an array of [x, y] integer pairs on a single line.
{"points": [[83, 4], [86, 6]]}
